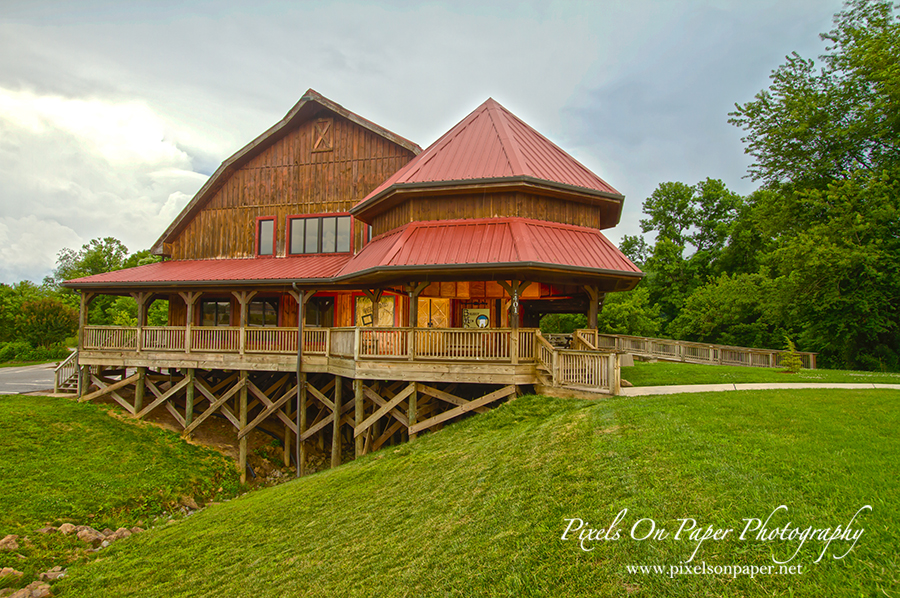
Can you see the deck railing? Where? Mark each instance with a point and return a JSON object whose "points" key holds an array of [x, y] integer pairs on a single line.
{"points": [[460, 344], [673, 350], [65, 371]]}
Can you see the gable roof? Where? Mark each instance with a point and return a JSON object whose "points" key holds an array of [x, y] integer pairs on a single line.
{"points": [[304, 109], [492, 145]]}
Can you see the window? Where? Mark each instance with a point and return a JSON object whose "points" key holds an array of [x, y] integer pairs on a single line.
{"points": [[319, 234], [263, 312], [215, 313], [265, 236]]}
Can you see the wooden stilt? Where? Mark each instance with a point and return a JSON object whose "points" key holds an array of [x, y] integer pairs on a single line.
{"points": [[301, 428], [189, 398], [336, 429], [413, 412], [360, 413], [242, 458], [139, 390]]}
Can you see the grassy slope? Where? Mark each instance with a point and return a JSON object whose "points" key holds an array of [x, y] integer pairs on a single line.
{"points": [[478, 508], [664, 374], [61, 461]]}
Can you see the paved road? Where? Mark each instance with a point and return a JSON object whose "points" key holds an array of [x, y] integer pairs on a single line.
{"points": [[29, 378]]}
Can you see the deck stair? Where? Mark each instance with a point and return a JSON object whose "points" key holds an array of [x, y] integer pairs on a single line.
{"points": [[65, 376]]}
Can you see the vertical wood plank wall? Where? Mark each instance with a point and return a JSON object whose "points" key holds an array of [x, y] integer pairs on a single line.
{"points": [[494, 205], [289, 178]]}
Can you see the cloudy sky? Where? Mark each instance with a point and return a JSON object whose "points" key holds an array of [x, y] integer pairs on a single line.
{"points": [[114, 113]]}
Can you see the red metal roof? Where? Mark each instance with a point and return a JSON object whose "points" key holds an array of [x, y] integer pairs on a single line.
{"points": [[483, 242], [226, 270], [493, 143]]}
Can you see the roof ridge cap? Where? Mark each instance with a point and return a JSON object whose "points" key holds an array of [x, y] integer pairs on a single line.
{"points": [[507, 142]]}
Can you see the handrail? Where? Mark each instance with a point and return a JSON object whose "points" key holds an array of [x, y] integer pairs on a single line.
{"points": [[65, 371], [704, 353]]}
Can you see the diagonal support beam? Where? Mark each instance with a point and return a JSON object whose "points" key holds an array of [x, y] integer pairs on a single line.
{"points": [[470, 406], [165, 397], [447, 397], [375, 398], [270, 408], [411, 388], [215, 403], [108, 389]]}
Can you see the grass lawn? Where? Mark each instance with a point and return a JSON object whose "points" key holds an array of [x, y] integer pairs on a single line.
{"points": [[479, 508], [666, 374], [61, 461], [18, 364]]}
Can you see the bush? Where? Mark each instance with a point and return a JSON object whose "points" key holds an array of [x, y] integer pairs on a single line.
{"points": [[23, 351]]}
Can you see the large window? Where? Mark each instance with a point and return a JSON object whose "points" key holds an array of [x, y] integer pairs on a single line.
{"points": [[215, 313], [319, 234], [265, 236], [263, 312], [320, 312]]}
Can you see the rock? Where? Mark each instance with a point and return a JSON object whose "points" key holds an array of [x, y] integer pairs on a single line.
{"points": [[9, 542], [104, 543], [119, 534], [36, 589], [136, 530], [66, 529], [625, 384], [107, 532], [9, 572], [53, 574], [6, 592], [47, 530], [189, 502], [91, 536]]}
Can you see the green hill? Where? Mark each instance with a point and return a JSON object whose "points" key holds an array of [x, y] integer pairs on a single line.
{"points": [[480, 508]]}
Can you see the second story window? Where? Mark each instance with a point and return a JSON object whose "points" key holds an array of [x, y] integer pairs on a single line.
{"points": [[265, 236], [319, 234]]}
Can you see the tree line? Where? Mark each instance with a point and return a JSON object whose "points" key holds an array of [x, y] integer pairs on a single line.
{"points": [[814, 253], [39, 322]]}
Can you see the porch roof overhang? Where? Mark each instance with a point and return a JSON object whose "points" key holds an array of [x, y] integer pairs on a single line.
{"points": [[256, 272], [433, 251], [493, 249]]}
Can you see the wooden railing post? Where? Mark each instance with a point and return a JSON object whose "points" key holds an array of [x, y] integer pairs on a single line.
{"points": [[615, 382], [356, 345]]}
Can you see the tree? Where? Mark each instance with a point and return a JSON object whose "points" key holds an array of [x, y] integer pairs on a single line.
{"points": [[46, 321], [96, 257], [629, 313], [813, 126]]}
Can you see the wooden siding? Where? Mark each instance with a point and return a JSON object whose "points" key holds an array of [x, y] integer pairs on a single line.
{"points": [[289, 178], [492, 205]]}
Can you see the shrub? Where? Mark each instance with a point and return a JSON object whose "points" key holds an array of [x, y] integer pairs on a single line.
{"points": [[790, 359]]}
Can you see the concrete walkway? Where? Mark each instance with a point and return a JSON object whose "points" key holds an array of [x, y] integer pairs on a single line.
{"points": [[639, 391]]}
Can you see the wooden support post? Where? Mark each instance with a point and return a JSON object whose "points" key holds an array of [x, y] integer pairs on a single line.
{"points": [[139, 390], [515, 289], [593, 305], [359, 414], [375, 296], [189, 398], [336, 428], [189, 298], [140, 298], [242, 457], [301, 426], [414, 290], [244, 298], [413, 412]]}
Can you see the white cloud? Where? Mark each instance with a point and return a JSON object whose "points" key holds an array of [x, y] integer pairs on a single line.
{"points": [[92, 167], [29, 245]]}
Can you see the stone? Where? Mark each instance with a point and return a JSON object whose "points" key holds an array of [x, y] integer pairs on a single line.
{"points": [[626, 384], [136, 530], [66, 529], [189, 502], [9, 542], [107, 532], [10, 572], [104, 543], [36, 589], [53, 574], [47, 530], [119, 534], [91, 536]]}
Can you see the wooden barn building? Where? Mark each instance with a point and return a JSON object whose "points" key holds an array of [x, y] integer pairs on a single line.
{"points": [[415, 279]]}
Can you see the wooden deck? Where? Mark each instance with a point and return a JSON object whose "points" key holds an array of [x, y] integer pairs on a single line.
{"points": [[492, 356]]}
